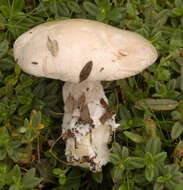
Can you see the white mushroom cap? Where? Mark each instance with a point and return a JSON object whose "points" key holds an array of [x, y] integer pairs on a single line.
{"points": [[62, 49]]}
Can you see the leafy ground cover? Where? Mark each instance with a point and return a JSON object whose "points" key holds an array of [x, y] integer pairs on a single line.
{"points": [[147, 150]]}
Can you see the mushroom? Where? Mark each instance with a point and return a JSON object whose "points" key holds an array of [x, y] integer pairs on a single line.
{"points": [[83, 53]]}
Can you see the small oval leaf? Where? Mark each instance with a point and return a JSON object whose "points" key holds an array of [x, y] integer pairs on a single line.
{"points": [[156, 104], [134, 137], [91, 8], [176, 130]]}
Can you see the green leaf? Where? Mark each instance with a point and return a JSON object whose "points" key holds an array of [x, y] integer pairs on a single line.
{"points": [[164, 75], [25, 99], [175, 115], [26, 123], [181, 78], [114, 158], [136, 162], [148, 13], [117, 172], [176, 130], [178, 3], [39, 90], [36, 119], [26, 81], [62, 9], [131, 9], [159, 158], [134, 137], [158, 186], [157, 104], [150, 127], [123, 187], [6, 64], [124, 112], [125, 152], [179, 187], [4, 2], [162, 17], [62, 180], [149, 159], [153, 145], [29, 181], [116, 148], [18, 5], [4, 46], [4, 168], [24, 109], [4, 136], [14, 187], [53, 6], [73, 6], [5, 10], [177, 11], [91, 8], [22, 130], [174, 169], [114, 14], [29, 135], [51, 88], [2, 91], [51, 100], [58, 171], [98, 177], [3, 153], [12, 153], [30, 173], [17, 70], [149, 174], [14, 175], [73, 180], [170, 185], [102, 3]]}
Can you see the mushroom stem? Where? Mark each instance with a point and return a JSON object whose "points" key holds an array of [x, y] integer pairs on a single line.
{"points": [[88, 124]]}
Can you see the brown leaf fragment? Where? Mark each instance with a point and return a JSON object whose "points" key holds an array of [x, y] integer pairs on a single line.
{"points": [[81, 101], [90, 161], [85, 159], [85, 72], [69, 103], [122, 53], [110, 127], [104, 103], [52, 46], [106, 116], [35, 63], [101, 69], [75, 143], [90, 136], [68, 134], [85, 115]]}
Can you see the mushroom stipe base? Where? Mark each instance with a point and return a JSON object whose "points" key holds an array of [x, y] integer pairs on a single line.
{"points": [[88, 124]]}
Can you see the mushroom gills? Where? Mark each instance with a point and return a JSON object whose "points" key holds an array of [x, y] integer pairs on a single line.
{"points": [[87, 125]]}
